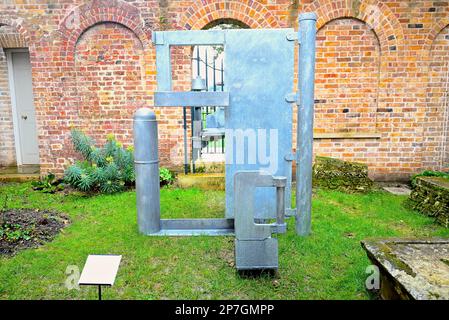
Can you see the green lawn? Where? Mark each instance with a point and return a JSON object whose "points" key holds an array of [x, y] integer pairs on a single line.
{"points": [[330, 264]]}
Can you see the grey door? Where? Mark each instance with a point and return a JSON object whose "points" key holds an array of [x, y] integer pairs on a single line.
{"points": [[22, 95]]}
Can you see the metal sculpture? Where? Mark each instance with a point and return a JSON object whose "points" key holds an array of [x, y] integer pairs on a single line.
{"points": [[258, 117]]}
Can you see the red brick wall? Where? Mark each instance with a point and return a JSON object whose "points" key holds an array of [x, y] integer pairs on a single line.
{"points": [[347, 77], [110, 76], [437, 113], [384, 106]]}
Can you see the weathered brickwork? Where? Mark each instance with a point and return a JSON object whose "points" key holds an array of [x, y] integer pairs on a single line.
{"points": [[437, 113], [347, 78], [111, 81], [381, 87], [7, 152]]}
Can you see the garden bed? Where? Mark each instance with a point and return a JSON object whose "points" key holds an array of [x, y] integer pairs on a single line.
{"points": [[329, 264], [28, 228]]}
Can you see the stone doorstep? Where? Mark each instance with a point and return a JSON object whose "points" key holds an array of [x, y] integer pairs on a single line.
{"points": [[398, 191], [19, 174], [416, 269], [19, 177]]}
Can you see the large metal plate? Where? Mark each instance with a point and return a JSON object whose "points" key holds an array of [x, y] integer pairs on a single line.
{"points": [[258, 76]]}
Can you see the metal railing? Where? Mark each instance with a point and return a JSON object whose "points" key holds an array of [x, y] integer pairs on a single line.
{"points": [[211, 69]]}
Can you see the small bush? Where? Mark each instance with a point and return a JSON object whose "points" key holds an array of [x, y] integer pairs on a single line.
{"points": [[109, 169], [166, 177]]}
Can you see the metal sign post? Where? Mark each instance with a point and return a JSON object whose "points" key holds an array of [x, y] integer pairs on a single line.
{"points": [[100, 270]]}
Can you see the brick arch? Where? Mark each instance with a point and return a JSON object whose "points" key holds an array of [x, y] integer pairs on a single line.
{"points": [[83, 17], [109, 57], [250, 12], [435, 30], [19, 25], [373, 12], [347, 77], [436, 124], [77, 22]]}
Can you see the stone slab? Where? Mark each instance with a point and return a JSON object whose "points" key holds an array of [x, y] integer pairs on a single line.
{"points": [[398, 191], [416, 269]]}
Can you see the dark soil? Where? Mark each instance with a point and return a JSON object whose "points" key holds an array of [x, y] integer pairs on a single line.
{"points": [[40, 226]]}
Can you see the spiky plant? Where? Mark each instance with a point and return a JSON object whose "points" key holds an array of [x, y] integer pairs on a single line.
{"points": [[108, 169]]}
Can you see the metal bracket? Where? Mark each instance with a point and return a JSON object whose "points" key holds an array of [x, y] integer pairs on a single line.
{"points": [[289, 157], [293, 36], [292, 97]]}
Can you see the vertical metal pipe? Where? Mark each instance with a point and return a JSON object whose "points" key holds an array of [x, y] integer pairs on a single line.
{"points": [[222, 75], [214, 109], [304, 142], [146, 162], [206, 69], [186, 161], [214, 78], [198, 61], [192, 120]]}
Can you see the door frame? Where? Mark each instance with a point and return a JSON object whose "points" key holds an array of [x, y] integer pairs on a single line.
{"points": [[12, 92]]}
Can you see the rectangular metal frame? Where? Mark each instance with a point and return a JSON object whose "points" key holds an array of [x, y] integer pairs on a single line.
{"points": [[197, 227], [163, 40]]}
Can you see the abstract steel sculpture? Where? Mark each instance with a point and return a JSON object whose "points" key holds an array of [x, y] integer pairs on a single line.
{"points": [[257, 101]]}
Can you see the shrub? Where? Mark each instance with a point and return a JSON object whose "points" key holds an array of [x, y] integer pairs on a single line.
{"points": [[109, 169], [166, 177]]}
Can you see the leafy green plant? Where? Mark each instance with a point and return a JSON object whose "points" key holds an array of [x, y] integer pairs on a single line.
{"points": [[166, 177], [14, 232], [108, 169], [48, 184]]}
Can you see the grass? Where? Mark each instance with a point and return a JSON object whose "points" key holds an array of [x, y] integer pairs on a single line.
{"points": [[330, 264]]}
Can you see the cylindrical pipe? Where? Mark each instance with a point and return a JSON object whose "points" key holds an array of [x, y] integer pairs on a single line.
{"points": [[304, 142], [146, 163], [186, 160]]}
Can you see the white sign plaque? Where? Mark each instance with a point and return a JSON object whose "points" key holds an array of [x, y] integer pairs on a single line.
{"points": [[100, 270]]}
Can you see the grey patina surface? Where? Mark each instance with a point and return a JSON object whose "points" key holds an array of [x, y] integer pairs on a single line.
{"points": [[257, 108], [259, 85], [259, 75], [413, 269], [254, 246]]}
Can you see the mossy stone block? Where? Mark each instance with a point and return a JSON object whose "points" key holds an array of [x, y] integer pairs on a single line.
{"points": [[330, 173]]}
